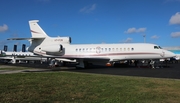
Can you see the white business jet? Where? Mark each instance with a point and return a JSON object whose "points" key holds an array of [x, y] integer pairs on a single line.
{"points": [[13, 56], [61, 47]]}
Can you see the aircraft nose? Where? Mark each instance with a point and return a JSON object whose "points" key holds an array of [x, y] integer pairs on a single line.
{"points": [[169, 54]]}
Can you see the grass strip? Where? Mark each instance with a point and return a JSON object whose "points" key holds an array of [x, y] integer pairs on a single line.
{"points": [[65, 87]]}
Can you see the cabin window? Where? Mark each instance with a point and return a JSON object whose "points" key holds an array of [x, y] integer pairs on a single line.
{"points": [[124, 49], [76, 49], [105, 49], [120, 49], [109, 49], [116, 49], [86, 49], [128, 49], [101, 49], [132, 49], [83, 49]]}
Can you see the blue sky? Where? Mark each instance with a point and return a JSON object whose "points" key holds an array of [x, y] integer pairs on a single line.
{"points": [[93, 21]]}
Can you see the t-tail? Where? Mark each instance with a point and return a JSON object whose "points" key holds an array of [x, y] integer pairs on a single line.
{"points": [[36, 30]]}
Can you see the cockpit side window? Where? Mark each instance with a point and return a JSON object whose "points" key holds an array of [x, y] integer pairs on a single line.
{"points": [[156, 47]]}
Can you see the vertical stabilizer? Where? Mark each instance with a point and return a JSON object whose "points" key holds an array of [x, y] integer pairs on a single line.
{"points": [[5, 48], [15, 48], [24, 48], [36, 30]]}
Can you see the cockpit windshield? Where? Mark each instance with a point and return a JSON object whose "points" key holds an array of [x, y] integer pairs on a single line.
{"points": [[160, 47]]}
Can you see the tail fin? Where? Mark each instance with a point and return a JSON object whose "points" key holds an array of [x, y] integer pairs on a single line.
{"points": [[15, 48], [5, 48], [24, 48], [36, 30]]}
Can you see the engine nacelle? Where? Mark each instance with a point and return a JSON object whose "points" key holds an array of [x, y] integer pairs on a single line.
{"points": [[63, 40], [52, 48]]}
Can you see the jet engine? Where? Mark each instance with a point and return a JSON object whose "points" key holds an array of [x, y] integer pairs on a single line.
{"points": [[64, 40], [52, 48]]}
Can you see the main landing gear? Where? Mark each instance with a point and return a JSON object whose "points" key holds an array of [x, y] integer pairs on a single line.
{"points": [[83, 64]]}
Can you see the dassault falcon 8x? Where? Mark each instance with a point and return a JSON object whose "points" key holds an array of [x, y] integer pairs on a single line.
{"points": [[61, 47]]}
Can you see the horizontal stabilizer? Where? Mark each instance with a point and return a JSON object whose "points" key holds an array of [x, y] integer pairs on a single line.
{"points": [[25, 38]]}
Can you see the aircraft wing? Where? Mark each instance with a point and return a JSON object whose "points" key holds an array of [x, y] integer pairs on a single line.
{"points": [[6, 58], [66, 60]]}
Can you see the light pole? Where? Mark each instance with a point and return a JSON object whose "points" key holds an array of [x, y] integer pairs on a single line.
{"points": [[144, 36]]}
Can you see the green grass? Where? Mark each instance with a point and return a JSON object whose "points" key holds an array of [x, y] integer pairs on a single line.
{"points": [[65, 87]]}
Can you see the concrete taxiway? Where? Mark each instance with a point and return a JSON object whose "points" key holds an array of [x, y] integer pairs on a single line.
{"points": [[171, 71]]}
